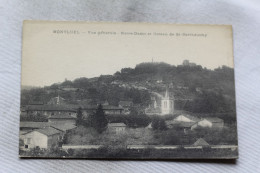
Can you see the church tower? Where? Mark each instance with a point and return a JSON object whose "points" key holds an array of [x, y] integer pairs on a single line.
{"points": [[167, 104]]}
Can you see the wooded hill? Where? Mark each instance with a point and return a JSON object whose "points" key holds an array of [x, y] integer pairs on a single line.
{"points": [[194, 88]]}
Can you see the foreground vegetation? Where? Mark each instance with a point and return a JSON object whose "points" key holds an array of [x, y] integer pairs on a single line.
{"points": [[123, 153]]}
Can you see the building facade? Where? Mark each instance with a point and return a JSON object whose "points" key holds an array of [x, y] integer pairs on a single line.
{"points": [[167, 104], [42, 138], [117, 128]]}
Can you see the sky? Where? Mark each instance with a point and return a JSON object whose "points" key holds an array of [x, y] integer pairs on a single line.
{"points": [[55, 51]]}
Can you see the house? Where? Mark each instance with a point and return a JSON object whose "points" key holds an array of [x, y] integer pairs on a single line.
{"points": [[201, 142], [179, 125], [117, 128], [153, 111], [149, 126], [43, 138], [63, 127], [108, 109], [105, 103], [49, 110], [126, 105], [210, 122], [26, 126], [62, 119], [68, 88], [186, 118]]}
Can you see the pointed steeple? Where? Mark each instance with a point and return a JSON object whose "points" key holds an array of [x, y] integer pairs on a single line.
{"points": [[167, 93], [58, 100]]}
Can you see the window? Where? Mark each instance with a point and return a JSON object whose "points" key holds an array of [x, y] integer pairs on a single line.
{"points": [[172, 104], [165, 104], [28, 140], [25, 146]]}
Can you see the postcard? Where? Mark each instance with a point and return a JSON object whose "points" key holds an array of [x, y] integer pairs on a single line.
{"points": [[127, 91]]}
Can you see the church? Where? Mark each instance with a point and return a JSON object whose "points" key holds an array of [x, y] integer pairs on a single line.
{"points": [[167, 104], [162, 105]]}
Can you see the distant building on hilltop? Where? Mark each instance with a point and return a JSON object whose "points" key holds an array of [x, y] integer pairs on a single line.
{"points": [[185, 62], [188, 63]]}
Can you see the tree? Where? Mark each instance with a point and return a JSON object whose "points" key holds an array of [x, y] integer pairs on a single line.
{"points": [[136, 119], [79, 119], [98, 120], [158, 124]]}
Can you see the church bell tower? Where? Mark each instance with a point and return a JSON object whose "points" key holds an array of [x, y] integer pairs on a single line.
{"points": [[167, 104]]}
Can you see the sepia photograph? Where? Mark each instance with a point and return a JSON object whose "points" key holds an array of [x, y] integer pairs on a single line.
{"points": [[101, 90]]}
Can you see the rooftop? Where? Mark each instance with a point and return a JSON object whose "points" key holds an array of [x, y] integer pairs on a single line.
{"points": [[180, 124], [105, 107], [125, 103], [214, 119], [200, 142], [50, 108], [116, 125], [62, 116], [63, 127], [48, 131], [189, 117], [28, 124]]}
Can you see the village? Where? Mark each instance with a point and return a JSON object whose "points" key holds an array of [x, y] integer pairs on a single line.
{"points": [[116, 111], [62, 122]]}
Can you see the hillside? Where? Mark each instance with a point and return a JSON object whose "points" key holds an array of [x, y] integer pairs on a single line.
{"points": [[194, 88]]}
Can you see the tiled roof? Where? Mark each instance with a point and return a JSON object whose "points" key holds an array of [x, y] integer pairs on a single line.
{"points": [[61, 116], [214, 119], [42, 125], [48, 131], [63, 127], [179, 123], [111, 107], [105, 107], [28, 124], [190, 117], [50, 108], [125, 103], [116, 125], [68, 107], [200, 142], [186, 124]]}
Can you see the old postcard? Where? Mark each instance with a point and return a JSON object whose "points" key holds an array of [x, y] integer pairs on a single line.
{"points": [[127, 91]]}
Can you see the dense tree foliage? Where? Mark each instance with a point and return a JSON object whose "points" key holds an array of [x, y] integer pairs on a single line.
{"points": [[79, 119], [98, 120], [158, 123]]}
